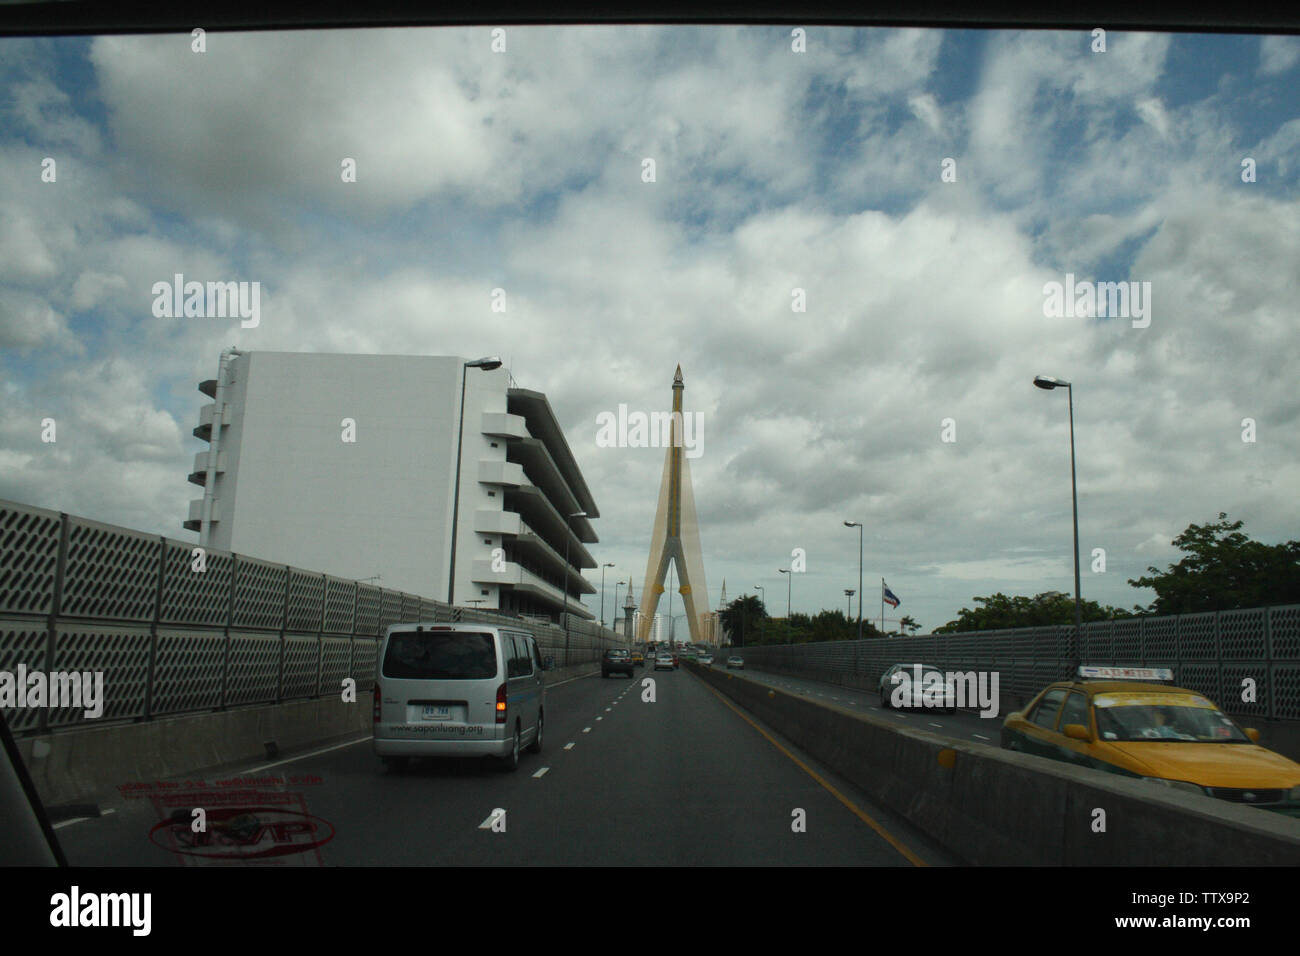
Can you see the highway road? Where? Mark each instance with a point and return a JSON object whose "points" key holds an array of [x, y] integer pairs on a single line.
{"points": [[963, 725], [685, 780]]}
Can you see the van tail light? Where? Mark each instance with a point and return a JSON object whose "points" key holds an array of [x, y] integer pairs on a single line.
{"points": [[501, 704], [379, 698]]}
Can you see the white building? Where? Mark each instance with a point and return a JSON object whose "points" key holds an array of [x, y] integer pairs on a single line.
{"points": [[347, 464]]}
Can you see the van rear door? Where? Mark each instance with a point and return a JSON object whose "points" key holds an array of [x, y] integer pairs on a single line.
{"points": [[440, 678]]}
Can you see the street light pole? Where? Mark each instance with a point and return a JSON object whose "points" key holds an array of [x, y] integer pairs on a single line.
{"points": [[858, 525], [568, 534], [763, 599], [487, 364], [1044, 382], [617, 585], [788, 584], [602, 593], [849, 613]]}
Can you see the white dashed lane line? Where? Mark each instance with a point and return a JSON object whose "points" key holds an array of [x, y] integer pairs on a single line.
{"points": [[569, 745], [980, 736], [586, 730], [68, 823], [542, 772]]}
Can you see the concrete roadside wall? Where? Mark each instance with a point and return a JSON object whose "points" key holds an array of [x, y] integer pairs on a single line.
{"points": [[993, 807], [81, 763]]}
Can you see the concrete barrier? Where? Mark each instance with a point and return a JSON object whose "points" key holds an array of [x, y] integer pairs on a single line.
{"points": [[88, 761], [993, 807]]}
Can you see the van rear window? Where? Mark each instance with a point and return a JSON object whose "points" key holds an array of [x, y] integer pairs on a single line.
{"points": [[440, 655]]}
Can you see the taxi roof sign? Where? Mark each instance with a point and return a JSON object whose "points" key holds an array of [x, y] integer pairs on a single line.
{"points": [[1094, 672]]}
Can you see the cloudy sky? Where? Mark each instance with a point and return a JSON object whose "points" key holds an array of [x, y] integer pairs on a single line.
{"points": [[774, 171]]}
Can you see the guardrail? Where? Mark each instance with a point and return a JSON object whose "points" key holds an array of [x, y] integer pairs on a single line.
{"points": [[79, 595], [1213, 653]]}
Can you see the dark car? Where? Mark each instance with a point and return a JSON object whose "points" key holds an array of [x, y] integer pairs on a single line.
{"points": [[617, 661]]}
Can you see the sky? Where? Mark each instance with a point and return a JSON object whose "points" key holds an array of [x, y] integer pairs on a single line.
{"points": [[846, 243]]}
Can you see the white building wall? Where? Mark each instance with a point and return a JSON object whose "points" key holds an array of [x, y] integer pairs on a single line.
{"points": [[295, 492]]}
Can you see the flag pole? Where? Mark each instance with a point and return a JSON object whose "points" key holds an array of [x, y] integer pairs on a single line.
{"points": [[882, 605]]}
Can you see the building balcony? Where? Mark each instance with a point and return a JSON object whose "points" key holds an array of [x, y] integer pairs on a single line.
{"points": [[207, 415], [501, 473]]}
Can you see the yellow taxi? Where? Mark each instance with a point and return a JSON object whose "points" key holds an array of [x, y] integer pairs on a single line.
{"points": [[1117, 719], [638, 659]]}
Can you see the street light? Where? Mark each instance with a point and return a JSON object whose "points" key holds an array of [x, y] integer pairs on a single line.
{"points": [[568, 534], [602, 592], [858, 525], [850, 592], [1047, 383], [617, 585], [487, 364], [789, 583], [763, 599]]}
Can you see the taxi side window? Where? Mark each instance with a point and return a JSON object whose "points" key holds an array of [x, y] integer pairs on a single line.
{"points": [[1075, 710], [1048, 708]]}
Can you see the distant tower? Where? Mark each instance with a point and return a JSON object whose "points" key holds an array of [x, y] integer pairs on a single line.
{"points": [[629, 607], [676, 537]]}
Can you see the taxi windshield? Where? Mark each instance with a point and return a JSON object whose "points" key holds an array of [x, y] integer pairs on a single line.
{"points": [[1168, 717]]}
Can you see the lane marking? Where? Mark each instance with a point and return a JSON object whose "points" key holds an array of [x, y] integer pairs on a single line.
{"points": [[608, 709], [884, 834], [569, 745], [981, 736], [933, 724], [487, 824], [68, 823], [600, 718], [541, 773], [586, 730], [314, 753]]}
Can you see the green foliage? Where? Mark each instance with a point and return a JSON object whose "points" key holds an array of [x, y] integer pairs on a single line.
{"points": [[1224, 569], [748, 622], [1050, 607]]}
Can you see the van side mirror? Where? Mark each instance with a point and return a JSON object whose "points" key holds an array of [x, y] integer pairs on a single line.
{"points": [[1076, 732]]}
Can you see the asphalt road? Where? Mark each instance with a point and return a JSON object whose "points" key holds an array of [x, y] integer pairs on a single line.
{"points": [[685, 780], [962, 725]]}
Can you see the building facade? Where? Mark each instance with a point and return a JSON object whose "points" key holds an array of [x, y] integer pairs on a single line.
{"points": [[347, 464]]}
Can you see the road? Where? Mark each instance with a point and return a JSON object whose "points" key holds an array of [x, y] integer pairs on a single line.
{"points": [[962, 725], [685, 780]]}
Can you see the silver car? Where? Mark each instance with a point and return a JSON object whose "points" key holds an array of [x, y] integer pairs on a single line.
{"points": [[458, 690], [909, 685]]}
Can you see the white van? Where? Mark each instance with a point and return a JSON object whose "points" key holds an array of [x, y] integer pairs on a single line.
{"points": [[458, 690]]}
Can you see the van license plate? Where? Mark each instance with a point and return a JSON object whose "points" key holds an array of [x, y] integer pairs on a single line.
{"points": [[437, 712]]}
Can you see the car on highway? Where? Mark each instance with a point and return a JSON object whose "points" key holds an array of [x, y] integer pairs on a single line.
{"points": [[638, 659], [916, 685], [458, 690], [617, 661], [706, 659], [664, 662], [1124, 721], [735, 661]]}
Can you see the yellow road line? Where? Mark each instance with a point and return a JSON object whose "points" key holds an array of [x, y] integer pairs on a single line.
{"points": [[884, 834]]}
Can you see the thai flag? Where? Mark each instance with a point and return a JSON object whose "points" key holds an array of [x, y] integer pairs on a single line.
{"points": [[890, 597]]}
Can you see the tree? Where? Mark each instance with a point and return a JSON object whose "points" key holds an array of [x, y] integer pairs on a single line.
{"points": [[1050, 607], [743, 618], [1224, 569]]}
